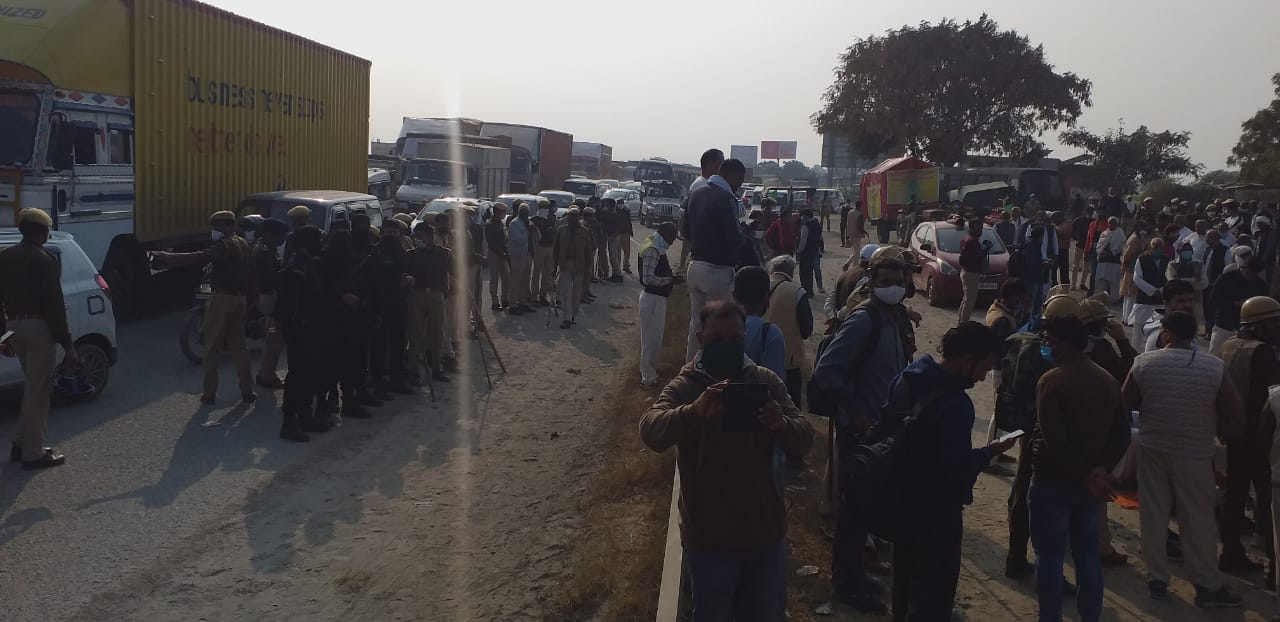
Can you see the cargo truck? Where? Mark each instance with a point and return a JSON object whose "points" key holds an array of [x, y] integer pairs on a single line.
{"points": [[488, 168], [131, 122]]}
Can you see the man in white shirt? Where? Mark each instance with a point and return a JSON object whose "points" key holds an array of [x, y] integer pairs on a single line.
{"points": [[1149, 277], [1199, 245], [1178, 295], [1110, 249]]}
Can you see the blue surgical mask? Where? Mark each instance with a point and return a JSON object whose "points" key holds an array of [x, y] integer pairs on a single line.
{"points": [[1047, 353], [1186, 255]]}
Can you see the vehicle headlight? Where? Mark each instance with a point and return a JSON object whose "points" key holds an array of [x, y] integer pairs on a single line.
{"points": [[946, 269]]}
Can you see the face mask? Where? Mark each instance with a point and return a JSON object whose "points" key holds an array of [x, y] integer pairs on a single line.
{"points": [[722, 358], [891, 295], [217, 235], [1046, 353], [1186, 255], [1157, 253]]}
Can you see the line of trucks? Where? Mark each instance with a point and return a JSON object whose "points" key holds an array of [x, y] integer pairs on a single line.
{"points": [[130, 122]]}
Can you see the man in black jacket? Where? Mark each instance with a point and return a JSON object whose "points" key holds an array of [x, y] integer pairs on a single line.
{"points": [[715, 239], [808, 248]]}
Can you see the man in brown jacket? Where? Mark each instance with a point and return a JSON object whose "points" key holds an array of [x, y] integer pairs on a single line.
{"points": [[732, 517], [572, 255]]}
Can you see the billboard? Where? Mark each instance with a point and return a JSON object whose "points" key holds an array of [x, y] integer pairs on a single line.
{"points": [[745, 153], [777, 150]]}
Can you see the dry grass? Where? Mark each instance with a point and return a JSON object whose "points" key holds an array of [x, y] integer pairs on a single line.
{"points": [[809, 546], [618, 559]]}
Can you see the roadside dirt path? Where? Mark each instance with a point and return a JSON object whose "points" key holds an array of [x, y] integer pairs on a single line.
{"points": [[463, 509]]}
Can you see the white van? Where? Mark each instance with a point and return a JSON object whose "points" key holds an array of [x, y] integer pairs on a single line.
{"points": [[90, 315]]}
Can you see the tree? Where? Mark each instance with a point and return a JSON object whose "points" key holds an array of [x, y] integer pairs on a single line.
{"points": [[1142, 156], [795, 170], [943, 90], [766, 168], [1219, 178], [1258, 151]]}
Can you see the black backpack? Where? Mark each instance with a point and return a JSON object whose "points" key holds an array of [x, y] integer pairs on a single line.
{"points": [[875, 487], [825, 402]]}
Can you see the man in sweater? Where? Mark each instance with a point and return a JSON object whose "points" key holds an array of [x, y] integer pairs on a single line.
{"points": [[1080, 436], [1180, 394], [973, 264], [715, 238], [1229, 293], [808, 248], [495, 235], [521, 238], [789, 310], [732, 516], [657, 280], [1149, 277]]}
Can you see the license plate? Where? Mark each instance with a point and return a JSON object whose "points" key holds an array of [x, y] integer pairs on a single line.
{"points": [[986, 285]]}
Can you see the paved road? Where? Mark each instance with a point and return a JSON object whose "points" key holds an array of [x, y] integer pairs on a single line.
{"points": [[146, 465]]}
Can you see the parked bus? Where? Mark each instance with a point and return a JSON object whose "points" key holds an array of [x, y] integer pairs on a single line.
{"points": [[655, 169], [1045, 184]]}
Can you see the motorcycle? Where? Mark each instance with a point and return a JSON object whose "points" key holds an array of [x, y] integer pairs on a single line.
{"points": [[191, 337]]}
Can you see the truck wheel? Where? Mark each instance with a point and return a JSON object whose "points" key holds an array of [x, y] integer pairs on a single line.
{"points": [[191, 337], [123, 293]]}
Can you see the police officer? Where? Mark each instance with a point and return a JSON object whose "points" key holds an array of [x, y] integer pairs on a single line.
{"points": [[227, 310], [304, 314], [343, 265], [430, 267], [33, 309], [266, 271], [391, 286]]}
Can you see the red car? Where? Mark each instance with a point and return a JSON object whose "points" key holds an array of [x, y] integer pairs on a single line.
{"points": [[937, 247]]}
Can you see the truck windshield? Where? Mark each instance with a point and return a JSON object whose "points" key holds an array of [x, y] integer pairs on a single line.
{"points": [[580, 187], [428, 172], [19, 111]]}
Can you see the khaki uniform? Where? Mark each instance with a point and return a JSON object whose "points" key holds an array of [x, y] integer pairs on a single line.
{"points": [[430, 268], [573, 259], [227, 311], [31, 297]]}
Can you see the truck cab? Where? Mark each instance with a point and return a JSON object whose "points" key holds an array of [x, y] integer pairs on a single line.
{"points": [[427, 179]]}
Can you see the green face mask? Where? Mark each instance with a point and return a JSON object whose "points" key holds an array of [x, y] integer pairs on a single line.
{"points": [[722, 358]]}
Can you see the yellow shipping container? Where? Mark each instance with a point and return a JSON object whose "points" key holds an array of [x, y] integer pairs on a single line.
{"points": [[226, 107]]}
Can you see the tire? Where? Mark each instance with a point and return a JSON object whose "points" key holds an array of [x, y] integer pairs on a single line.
{"points": [[191, 337], [95, 363], [931, 293]]}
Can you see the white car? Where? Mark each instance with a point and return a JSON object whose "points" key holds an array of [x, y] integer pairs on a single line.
{"points": [[561, 198], [90, 315], [630, 198], [532, 201]]}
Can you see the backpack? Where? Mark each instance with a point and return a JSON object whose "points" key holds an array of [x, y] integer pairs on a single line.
{"points": [[826, 402], [1020, 372], [875, 487]]}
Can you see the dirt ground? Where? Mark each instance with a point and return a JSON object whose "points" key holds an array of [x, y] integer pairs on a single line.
{"points": [[984, 593], [464, 509]]}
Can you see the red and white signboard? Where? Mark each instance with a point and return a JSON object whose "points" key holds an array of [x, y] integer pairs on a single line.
{"points": [[777, 150]]}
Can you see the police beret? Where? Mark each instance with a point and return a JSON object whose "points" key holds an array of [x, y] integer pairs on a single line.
{"points": [[275, 225], [394, 223], [299, 211], [544, 203], [222, 218], [404, 219], [35, 217], [590, 211]]}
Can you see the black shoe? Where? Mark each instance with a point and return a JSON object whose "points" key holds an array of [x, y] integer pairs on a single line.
{"points": [[50, 458], [439, 376], [355, 411], [1017, 569], [291, 432], [248, 397], [1221, 598], [627, 269], [1238, 564], [495, 307], [1158, 590], [15, 453], [864, 602]]}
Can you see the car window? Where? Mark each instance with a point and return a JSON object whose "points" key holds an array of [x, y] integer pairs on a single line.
{"points": [[949, 239]]}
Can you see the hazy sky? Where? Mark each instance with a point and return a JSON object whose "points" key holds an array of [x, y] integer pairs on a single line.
{"points": [[671, 78]]}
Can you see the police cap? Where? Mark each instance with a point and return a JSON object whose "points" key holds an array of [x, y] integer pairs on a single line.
{"points": [[223, 217], [394, 224], [299, 211], [34, 216], [404, 219]]}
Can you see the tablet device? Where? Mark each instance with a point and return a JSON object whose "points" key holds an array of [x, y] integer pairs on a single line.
{"points": [[742, 404]]}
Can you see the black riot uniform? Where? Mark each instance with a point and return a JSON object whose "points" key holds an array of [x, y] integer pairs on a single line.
{"points": [[304, 314], [388, 265], [344, 271]]}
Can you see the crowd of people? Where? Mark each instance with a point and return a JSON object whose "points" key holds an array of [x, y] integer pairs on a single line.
{"points": [[1177, 350]]}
